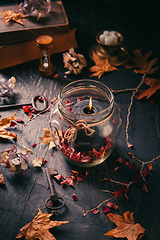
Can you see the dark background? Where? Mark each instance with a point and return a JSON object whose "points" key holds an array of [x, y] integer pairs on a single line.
{"points": [[138, 21]]}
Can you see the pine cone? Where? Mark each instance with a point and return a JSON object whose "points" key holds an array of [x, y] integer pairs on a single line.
{"points": [[74, 62]]}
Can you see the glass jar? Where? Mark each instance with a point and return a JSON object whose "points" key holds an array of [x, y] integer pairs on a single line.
{"points": [[85, 122]]}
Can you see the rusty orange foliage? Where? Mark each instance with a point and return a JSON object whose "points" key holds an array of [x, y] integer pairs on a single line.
{"points": [[2, 179], [39, 227], [141, 63], [14, 16], [154, 86], [126, 227], [101, 66], [6, 123], [48, 138]]}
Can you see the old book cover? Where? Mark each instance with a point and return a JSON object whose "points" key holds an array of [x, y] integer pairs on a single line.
{"points": [[21, 52], [55, 22]]}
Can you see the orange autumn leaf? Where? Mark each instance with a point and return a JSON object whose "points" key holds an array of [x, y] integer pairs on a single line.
{"points": [[2, 179], [14, 16], [154, 86], [39, 227], [141, 63], [48, 138], [101, 66], [126, 227], [5, 123], [149, 166]]}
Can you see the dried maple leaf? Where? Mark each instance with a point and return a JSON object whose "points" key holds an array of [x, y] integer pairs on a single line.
{"points": [[140, 62], [39, 227], [126, 227], [5, 123], [2, 179], [154, 86], [14, 16], [101, 66]]}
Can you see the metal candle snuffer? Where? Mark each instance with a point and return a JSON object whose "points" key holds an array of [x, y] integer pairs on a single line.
{"points": [[85, 122]]}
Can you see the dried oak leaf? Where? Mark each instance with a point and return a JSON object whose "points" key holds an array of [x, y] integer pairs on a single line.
{"points": [[101, 66], [14, 16], [126, 227], [139, 62], [39, 227], [154, 86], [2, 179], [5, 123]]}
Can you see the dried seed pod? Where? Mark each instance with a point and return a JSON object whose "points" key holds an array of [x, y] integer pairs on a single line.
{"points": [[74, 62]]}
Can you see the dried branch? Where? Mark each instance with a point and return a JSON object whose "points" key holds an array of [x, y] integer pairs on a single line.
{"points": [[132, 97], [91, 210]]}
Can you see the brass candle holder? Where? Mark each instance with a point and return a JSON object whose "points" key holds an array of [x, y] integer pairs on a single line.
{"points": [[117, 53], [44, 43]]}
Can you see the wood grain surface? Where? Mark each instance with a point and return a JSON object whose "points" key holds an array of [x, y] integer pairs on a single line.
{"points": [[23, 194]]}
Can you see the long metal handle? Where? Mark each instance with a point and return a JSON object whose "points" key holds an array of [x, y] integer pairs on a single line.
{"points": [[3, 107], [54, 195]]}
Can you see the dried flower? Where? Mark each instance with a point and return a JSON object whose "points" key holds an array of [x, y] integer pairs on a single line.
{"points": [[74, 197], [74, 62], [7, 90], [38, 8], [15, 160]]}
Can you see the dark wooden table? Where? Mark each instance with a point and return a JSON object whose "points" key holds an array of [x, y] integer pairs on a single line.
{"points": [[23, 194]]}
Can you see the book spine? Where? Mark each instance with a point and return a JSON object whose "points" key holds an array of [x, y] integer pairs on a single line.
{"points": [[22, 52]]}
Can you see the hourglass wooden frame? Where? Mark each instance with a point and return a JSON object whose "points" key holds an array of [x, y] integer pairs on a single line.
{"points": [[44, 43]]}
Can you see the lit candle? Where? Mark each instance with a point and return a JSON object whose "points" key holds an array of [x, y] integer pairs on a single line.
{"points": [[90, 106], [89, 109], [84, 142]]}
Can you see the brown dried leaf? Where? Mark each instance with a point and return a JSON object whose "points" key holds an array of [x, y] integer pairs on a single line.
{"points": [[154, 86], [101, 66], [39, 227], [14, 16], [2, 179], [5, 123], [126, 227], [140, 61], [37, 162], [48, 138], [6, 134]]}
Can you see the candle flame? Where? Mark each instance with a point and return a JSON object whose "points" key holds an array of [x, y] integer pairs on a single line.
{"points": [[90, 103]]}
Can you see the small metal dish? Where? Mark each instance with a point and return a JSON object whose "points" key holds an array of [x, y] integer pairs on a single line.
{"points": [[117, 54]]}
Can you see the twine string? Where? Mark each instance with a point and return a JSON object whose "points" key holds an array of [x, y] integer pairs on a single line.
{"points": [[71, 133]]}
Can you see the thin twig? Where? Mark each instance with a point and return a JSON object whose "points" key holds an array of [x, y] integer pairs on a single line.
{"points": [[132, 97], [13, 213], [91, 210], [124, 90]]}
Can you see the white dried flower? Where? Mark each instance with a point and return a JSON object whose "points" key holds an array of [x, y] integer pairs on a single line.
{"points": [[74, 62]]}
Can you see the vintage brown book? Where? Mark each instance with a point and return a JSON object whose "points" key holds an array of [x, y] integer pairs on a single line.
{"points": [[21, 52], [55, 22]]}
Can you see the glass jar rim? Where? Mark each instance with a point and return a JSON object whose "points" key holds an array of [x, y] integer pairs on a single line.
{"points": [[86, 83]]}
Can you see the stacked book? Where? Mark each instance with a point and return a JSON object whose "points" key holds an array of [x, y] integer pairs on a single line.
{"points": [[18, 42]]}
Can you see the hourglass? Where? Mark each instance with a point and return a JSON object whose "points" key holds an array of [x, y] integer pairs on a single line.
{"points": [[44, 43]]}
